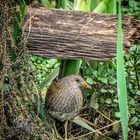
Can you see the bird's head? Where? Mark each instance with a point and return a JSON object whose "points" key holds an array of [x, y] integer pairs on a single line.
{"points": [[76, 80]]}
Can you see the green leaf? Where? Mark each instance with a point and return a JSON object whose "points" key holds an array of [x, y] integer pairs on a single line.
{"points": [[94, 4], [102, 6], [116, 128], [134, 120], [82, 5], [103, 90], [132, 3], [94, 105], [108, 101], [45, 3], [78, 120], [132, 102], [112, 7], [138, 92], [62, 4], [121, 82], [23, 9], [111, 91], [132, 111], [117, 114], [89, 80], [104, 80], [138, 132]]}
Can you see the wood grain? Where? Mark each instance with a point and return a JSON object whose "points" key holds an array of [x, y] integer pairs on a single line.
{"points": [[75, 34]]}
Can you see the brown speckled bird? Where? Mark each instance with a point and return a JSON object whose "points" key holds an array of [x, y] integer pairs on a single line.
{"points": [[64, 98]]}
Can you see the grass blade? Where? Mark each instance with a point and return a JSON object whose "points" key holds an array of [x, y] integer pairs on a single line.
{"points": [[112, 7], [121, 82], [62, 4], [94, 4], [102, 7], [80, 122], [82, 5], [49, 79]]}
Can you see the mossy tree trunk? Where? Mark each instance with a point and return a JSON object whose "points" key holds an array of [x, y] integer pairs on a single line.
{"points": [[18, 119]]}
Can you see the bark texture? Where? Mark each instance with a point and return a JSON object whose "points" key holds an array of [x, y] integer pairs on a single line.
{"points": [[77, 35], [18, 119]]}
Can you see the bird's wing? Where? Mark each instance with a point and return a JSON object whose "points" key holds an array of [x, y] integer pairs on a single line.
{"points": [[72, 102], [64, 99], [52, 96]]}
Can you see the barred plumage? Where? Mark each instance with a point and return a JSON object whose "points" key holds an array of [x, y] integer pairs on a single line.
{"points": [[64, 98]]}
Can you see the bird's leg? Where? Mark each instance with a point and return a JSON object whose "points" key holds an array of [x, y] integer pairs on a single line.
{"points": [[55, 129], [65, 126]]}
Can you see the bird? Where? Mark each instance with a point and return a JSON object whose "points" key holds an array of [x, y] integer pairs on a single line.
{"points": [[64, 99]]}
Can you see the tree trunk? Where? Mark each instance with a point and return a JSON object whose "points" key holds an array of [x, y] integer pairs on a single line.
{"points": [[18, 119]]}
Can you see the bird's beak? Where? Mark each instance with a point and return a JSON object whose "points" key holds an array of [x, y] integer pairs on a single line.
{"points": [[85, 85]]}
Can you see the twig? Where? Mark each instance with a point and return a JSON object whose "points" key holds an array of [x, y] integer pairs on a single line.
{"points": [[38, 97], [112, 122], [97, 131], [105, 117], [90, 123]]}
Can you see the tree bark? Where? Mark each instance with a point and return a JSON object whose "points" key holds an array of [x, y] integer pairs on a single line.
{"points": [[77, 35], [18, 119]]}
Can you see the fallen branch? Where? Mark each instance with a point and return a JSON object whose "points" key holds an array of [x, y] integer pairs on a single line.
{"points": [[77, 35]]}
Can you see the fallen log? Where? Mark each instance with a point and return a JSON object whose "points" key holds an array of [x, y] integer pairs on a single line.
{"points": [[76, 35]]}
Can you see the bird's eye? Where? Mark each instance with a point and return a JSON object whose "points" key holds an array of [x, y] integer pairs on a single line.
{"points": [[78, 80]]}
